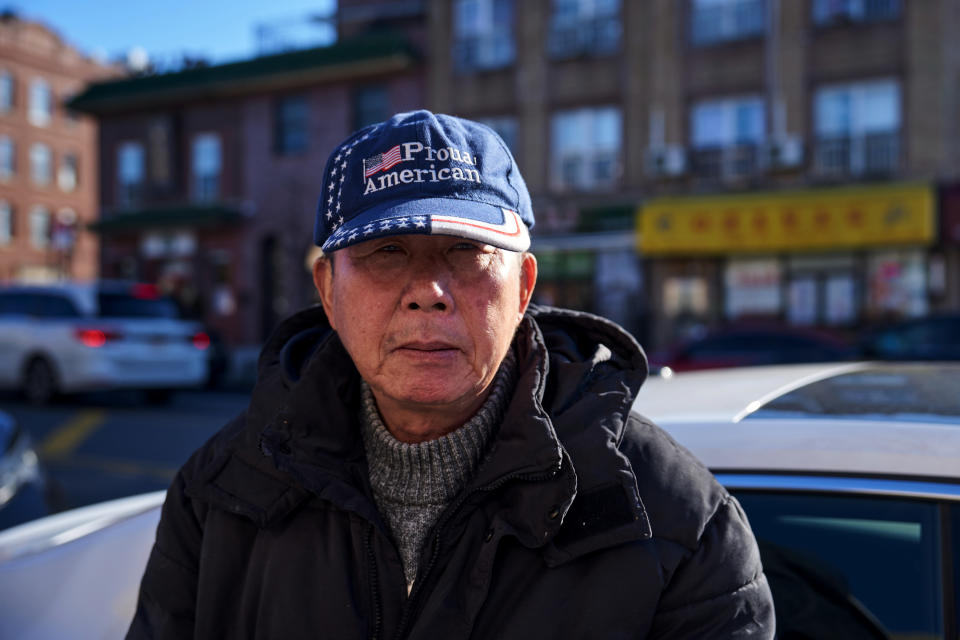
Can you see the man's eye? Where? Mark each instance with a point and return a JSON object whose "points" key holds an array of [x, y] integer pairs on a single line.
{"points": [[390, 248], [465, 245]]}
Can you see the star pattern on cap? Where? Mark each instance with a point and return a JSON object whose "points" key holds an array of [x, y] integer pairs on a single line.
{"points": [[335, 180]]}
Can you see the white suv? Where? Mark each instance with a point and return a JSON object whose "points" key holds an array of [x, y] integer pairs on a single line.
{"points": [[72, 337]]}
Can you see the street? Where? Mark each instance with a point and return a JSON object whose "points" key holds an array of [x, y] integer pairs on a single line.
{"points": [[101, 446]]}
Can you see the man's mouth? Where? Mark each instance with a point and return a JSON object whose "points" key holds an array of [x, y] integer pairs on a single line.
{"points": [[428, 347]]}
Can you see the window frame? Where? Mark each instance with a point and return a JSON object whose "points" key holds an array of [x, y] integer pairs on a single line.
{"points": [[285, 125], [365, 113], [40, 103], [37, 241], [8, 143], [41, 164], [858, 148], [490, 42], [68, 171], [822, 17], [724, 12], [734, 156], [206, 167], [8, 223], [130, 192], [589, 30], [588, 149], [8, 92]]}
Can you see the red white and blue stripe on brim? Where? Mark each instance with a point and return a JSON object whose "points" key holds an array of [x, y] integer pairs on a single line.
{"points": [[511, 234]]}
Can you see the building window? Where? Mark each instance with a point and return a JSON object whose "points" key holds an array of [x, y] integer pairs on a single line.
{"points": [[725, 137], [206, 162], [586, 148], [130, 173], [584, 27], [506, 128], [41, 160], [831, 12], [8, 158], [370, 105], [40, 111], [6, 91], [40, 227], [67, 173], [715, 21], [291, 126], [857, 128], [158, 140], [483, 34], [6, 223]]}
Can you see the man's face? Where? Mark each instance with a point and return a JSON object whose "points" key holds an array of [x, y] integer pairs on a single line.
{"points": [[427, 321]]}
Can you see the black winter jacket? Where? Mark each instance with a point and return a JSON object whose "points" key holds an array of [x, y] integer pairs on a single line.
{"points": [[584, 521]]}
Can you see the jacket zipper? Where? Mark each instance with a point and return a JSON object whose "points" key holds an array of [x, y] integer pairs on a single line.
{"points": [[412, 607], [374, 586]]}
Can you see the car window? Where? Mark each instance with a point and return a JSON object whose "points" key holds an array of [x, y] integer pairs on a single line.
{"points": [[903, 392], [14, 303], [121, 305], [921, 339], [54, 306], [850, 567], [719, 347]]}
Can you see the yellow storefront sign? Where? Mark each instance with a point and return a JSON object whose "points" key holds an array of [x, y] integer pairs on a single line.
{"points": [[816, 219]]}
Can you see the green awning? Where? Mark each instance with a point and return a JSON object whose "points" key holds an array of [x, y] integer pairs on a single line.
{"points": [[184, 215], [364, 55]]}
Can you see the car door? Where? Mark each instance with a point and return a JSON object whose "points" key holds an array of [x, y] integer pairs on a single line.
{"points": [[855, 563]]}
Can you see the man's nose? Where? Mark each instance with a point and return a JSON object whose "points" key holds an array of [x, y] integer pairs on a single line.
{"points": [[428, 290]]}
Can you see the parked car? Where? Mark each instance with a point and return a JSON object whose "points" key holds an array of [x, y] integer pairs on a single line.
{"points": [[848, 474], [25, 493], [73, 337], [751, 345], [935, 337], [850, 477]]}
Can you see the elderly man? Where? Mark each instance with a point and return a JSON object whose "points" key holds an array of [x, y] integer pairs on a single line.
{"points": [[431, 456]]}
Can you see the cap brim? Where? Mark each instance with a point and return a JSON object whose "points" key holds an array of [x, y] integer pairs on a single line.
{"points": [[467, 219]]}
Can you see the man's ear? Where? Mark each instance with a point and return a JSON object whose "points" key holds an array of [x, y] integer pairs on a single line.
{"points": [[528, 280], [323, 281]]}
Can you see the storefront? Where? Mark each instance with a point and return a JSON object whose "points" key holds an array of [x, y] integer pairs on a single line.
{"points": [[839, 258], [597, 272], [945, 271]]}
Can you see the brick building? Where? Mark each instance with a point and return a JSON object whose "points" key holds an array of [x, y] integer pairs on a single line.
{"points": [[48, 158], [699, 162], [210, 176], [692, 162]]}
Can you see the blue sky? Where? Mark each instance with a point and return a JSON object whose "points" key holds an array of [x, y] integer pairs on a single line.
{"points": [[219, 30]]}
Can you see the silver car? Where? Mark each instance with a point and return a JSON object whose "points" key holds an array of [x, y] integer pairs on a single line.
{"points": [[850, 476], [72, 337]]}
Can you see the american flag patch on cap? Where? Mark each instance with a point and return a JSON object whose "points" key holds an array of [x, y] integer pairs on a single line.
{"points": [[381, 161]]}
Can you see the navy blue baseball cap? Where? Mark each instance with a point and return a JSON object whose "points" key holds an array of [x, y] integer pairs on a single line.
{"points": [[423, 173]]}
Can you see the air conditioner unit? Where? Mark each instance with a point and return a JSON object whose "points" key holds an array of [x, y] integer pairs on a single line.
{"points": [[666, 162], [783, 153]]}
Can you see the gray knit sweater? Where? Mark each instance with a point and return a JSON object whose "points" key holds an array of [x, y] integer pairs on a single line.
{"points": [[413, 483]]}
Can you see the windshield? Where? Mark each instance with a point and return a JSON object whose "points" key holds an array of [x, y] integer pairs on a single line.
{"points": [[902, 392]]}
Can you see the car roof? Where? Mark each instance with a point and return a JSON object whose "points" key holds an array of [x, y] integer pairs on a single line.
{"points": [[720, 416]]}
